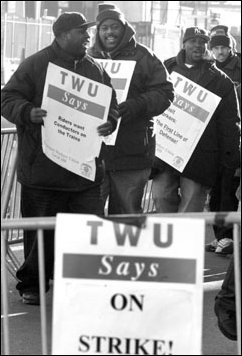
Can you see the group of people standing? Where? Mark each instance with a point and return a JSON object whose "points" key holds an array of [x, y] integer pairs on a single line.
{"points": [[123, 170]]}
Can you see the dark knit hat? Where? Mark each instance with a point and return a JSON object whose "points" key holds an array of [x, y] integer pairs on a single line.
{"points": [[193, 32], [220, 37], [109, 11], [69, 20]]}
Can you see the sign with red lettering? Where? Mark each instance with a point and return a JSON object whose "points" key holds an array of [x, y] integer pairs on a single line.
{"points": [[126, 290], [181, 126]]}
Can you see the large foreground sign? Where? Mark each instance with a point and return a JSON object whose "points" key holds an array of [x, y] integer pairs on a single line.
{"points": [[124, 290], [75, 107], [181, 126]]}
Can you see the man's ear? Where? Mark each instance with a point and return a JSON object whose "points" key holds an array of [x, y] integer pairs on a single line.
{"points": [[64, 36]]}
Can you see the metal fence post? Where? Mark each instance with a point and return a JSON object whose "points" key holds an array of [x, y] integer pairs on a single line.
{"points": [[43, 317], [237, 278], [4, 285]]}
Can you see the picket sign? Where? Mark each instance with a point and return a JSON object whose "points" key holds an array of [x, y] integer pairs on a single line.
{"points": [[179, 129], [75, 107], [125, 290], [120, 73]]}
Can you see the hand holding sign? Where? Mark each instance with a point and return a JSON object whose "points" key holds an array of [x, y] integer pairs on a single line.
{"points": [[109, 126], [36, 115], [105, 129], [124, 111], [78, 109], [180, 127]]}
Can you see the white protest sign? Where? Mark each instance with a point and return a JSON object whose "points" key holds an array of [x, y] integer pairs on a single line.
{"points": [[75, 107], [181, 126], [124, 290], [121, 73]]}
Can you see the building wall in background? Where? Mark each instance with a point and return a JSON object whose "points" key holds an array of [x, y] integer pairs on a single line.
{"points": [[158, 24]]}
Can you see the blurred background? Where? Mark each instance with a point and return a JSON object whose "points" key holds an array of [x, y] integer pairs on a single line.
{"points": [[26, 26]]}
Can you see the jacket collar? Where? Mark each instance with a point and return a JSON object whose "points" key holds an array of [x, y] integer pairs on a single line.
{"points": [[208, 67], [233, 62], [61, 53]]}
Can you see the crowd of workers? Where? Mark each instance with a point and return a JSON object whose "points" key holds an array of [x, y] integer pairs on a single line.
{"points": [[123, 170]]}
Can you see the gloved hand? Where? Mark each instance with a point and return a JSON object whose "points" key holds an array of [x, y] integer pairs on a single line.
{"points": [[132, 108], [36, 115], [124, 111], [108, 127]]}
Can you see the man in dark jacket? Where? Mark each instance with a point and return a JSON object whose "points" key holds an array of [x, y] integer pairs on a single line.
{"points": [[129, 162], [219, 145], [223, 47], [47, 188], [223, 194]]}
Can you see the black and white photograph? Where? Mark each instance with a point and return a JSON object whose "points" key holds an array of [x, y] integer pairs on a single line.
{"points": [[120, 177]]}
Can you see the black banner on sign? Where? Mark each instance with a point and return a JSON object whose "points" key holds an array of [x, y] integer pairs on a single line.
{"points": [[129, 268]]}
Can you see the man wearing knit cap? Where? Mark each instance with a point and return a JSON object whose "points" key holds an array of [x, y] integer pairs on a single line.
{"points": [[218, 146], [223, 48], [128, 163], [47, 188], [223, 194]]}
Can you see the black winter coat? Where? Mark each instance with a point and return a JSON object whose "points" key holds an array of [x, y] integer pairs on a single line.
{"points": [[219, 145], [232, 67], [150, 94], [23, 92]]}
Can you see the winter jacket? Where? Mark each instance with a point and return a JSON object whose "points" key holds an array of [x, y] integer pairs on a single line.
{"points": [[150, 93], [219, 145], [23, 92], [232, 67]]}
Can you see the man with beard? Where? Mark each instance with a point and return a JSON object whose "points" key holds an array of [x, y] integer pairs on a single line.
{"points": [[129, 162], [47, 188], [219, 145]]}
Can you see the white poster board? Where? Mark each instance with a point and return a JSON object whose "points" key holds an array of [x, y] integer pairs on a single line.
{"points": [[181, 126], [124, 290], [121, 73], [75, 107]]}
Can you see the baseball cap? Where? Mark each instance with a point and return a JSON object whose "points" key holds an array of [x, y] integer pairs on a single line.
{"points": [[193, 32], [69, 20]]}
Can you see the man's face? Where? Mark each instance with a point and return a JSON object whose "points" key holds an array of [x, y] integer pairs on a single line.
{"points": [[111, 33], [221, 53], [195, 49], [76, 41]]}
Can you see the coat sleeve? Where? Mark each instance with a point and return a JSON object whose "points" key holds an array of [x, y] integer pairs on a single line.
{"points": [[228, 126], [157, 92], [17, 96]]}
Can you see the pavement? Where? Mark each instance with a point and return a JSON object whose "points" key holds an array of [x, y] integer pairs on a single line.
{"points": [[24, 320]]}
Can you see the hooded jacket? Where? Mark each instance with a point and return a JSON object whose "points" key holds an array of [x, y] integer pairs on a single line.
{"points": [[219, 145], [24, 91], [150, 94]]}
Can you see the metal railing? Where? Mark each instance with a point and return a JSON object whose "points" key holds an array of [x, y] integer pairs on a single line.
{"points": [[41, 224], [10, 192], [12, 222]]}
